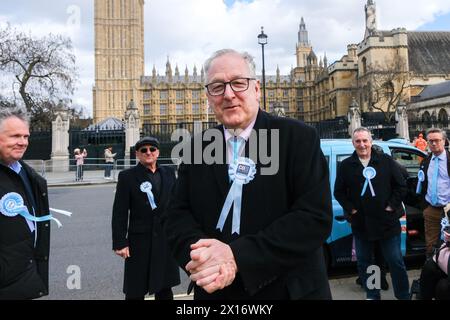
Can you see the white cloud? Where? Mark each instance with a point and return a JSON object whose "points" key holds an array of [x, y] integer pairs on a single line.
{"points": [[190, 30]]}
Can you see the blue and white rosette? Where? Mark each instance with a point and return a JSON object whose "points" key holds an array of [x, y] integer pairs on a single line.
{"points": [[420, 180], [369, 173], [146, 187], [241, 172], [12, 204]]}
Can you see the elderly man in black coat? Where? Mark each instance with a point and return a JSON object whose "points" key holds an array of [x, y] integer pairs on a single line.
{"points": [[370, 187], [268, 244], [24, 243], [141, 197]]}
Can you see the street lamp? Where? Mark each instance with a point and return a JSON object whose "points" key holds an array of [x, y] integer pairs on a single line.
{"points": [[262, 40]]}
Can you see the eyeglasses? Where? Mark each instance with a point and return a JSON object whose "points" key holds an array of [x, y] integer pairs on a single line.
{"points": [[434, 141], [145, 149], [237, 85]]}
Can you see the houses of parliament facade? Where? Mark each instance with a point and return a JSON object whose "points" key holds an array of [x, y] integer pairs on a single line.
{"points": [[312, 91]]}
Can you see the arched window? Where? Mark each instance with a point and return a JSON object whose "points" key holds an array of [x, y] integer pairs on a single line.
{"points": [[443, 118], [426, 118], [364, 65]]}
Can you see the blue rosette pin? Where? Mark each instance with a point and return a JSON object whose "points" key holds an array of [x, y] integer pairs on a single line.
{"points": [[241, 172], [369, 173], [146, 187], [420, 180], [12, 204]]}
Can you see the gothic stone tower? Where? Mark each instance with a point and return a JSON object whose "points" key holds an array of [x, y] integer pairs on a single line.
{"points": [[119, 56], [303, 48]]}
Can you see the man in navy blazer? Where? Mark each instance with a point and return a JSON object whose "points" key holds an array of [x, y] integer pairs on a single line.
{"points": [[269, 246]]}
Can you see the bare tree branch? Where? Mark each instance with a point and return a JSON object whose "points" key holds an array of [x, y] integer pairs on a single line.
{"points": [[388, 84], [44, 67]]}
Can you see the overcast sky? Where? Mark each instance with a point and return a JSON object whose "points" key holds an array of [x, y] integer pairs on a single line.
{"points": [[189, 30]]}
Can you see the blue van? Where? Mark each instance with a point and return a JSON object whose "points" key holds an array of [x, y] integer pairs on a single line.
{"points": [[338, 248]]}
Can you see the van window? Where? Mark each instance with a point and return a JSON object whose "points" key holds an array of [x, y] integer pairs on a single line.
{"points": [[409, 159], [341, 158]]}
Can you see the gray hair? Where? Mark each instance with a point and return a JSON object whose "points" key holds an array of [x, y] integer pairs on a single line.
{"points": [[18, 112], [362, 129], [244, 55], [437, 130]]}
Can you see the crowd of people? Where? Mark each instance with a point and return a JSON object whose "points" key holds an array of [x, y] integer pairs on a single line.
{"points": [[238, 231]]}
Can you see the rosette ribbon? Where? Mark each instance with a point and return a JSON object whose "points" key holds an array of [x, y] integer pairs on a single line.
{"points": [[241, 172], [12, 204], [420, 179], [146, 187], [369, 173]]}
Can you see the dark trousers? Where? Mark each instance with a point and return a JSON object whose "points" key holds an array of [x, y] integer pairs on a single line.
{"points": [[165, 294], [108, 169], [434, 282], [79, 173]]}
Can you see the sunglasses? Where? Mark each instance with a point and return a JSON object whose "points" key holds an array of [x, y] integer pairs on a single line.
{"points": [[145, 149]]}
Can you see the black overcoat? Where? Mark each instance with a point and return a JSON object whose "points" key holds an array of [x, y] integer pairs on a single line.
{"points": [[285, 217], [151, 266], [371, 221], [24, 266]]}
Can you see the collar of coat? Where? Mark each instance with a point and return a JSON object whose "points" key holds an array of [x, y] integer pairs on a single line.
{"points": [[142, 168], [374, 157]]}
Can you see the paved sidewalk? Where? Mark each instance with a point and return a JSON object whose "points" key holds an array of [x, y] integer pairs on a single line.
{"points": [[67, 179], [342, 289]]}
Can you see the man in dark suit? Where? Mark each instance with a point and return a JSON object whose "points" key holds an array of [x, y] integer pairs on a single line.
{"points": [[269, 244], [141, 197], [435, 186], [24, 242]]}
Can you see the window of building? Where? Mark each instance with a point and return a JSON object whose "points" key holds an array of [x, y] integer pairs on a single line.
{"points": [[163, 95], [180, 94], [443, 118], [389, 90], [271, 93], [122, 8], [147, 109], [111, 9], [364, 65], [285, 93], [180, 109], [163, 109], [196, 94], [195, 108], [147, 95]]}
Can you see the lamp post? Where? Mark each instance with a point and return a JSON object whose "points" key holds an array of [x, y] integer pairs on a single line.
{"points": [[262, 40]]}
